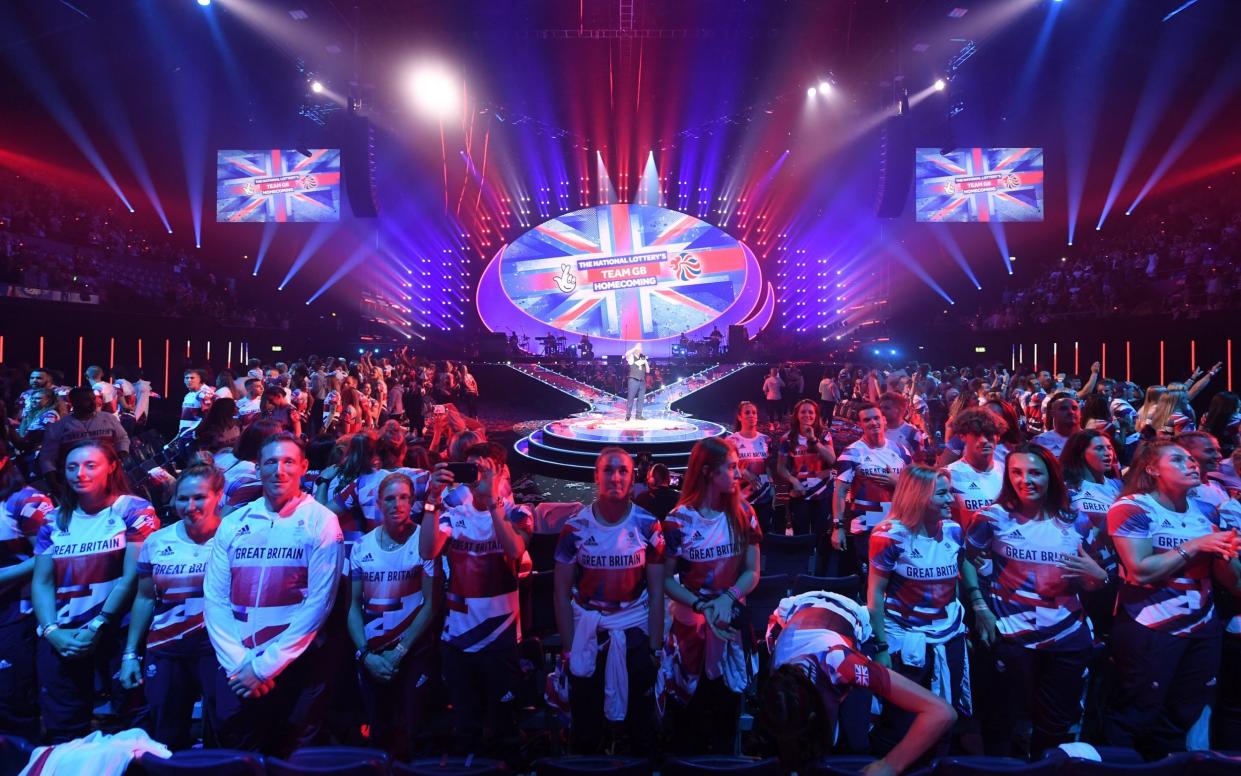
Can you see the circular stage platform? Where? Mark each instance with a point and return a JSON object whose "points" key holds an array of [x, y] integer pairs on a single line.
{"points": [[568, 447]]}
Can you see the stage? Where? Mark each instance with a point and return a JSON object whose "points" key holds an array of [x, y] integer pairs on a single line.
{"points": [[568, 447]]}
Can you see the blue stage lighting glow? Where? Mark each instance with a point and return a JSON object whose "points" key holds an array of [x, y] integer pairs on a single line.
{"points": [[204, 3]]}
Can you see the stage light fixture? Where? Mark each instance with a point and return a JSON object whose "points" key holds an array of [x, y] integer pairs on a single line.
{"points": [[433, 89], [316, 87], [940, 85], [204, 3], [825, 87], [811, 92]]}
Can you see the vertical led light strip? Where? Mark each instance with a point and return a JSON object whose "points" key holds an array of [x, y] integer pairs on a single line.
{"points": [[81, 346], [1161, 380], [1055, 358], [40, 352], [1103, 362], [167, 358], [1128, 364]]}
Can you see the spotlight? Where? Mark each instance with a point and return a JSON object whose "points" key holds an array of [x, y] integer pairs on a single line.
{"points": [[204, 3], [825, 87], [940, 85], [811, 92], [315, 86], [433, 90]]}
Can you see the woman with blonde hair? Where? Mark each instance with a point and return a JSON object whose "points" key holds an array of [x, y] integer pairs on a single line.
{"points": [[918, 621], [1149, 404]]}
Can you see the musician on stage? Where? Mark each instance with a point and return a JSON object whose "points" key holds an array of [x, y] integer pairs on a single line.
{"points": [[715, 338], [585, 348], [638, 368]]}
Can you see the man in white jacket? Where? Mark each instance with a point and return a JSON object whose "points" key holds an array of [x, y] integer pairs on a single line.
{"points": [[269, 587]]}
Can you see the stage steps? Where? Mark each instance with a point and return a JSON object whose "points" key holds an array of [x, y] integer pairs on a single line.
{"points": [[568, 448]]}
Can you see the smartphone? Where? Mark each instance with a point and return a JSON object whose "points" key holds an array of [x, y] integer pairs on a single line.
{"points": [[464, 473], [438, 409]]}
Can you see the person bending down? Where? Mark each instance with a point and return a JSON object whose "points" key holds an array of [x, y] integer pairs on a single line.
{"points": [[816, 642]]}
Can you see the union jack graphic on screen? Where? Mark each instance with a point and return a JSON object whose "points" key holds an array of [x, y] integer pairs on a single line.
{"points": [[278, 185], [631, 272], [980, 184]]}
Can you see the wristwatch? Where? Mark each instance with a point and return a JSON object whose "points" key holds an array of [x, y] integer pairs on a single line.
{"points": [[42, 630], [95, 624]]}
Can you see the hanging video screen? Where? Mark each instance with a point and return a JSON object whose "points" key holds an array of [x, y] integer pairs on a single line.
{"points": [[281, 185], [979, 184]]}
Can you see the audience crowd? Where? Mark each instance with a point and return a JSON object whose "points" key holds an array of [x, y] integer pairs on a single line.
{"points": [[333, 550], [52, 240], [1176, 257]]}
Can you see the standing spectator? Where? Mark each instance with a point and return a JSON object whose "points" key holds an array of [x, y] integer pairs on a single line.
{"points": [[754, 450], [105, 392], [23, 512], [469, 391], [919, 625], [197, 399], [829, 397], [1031, 616], [1166, 639], [484, 539], [1064, 416], [804, 460], [977, 477], [167, 614], [394, 602], [895, 409], [84, 423], [712, 563], [84, 576], [270, 584], [773, 388], [609, 599], [866, 473]]}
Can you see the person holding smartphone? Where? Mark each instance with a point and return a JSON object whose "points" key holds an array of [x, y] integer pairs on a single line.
{"points": [[483, 540]]}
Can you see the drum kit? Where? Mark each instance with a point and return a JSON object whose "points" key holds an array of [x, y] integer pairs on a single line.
{"points": [[553, 345]]}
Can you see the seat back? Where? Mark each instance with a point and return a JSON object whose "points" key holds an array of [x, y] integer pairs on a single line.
{"points": [[204, 762], [335, 760], [849, 586], [1181, 764], [450, 766], [764, 599], [551, 515], [735, 765], [542, 549], [843, 765], [981, 766], [14, 754], [575, 765], [790, 555]]}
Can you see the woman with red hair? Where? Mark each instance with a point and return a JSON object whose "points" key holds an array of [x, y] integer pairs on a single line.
{"points": [[711, 563]]}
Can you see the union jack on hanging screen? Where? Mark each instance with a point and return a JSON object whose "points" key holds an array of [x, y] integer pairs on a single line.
{"points": [[631, 272], [278, 185], [980, 184]]}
